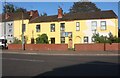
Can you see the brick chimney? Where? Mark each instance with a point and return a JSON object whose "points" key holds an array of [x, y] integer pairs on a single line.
{"points": [[31, 13], [7, 15], [60, 13]]}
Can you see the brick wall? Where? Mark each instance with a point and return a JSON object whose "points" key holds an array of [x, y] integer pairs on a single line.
{"points": [[39, 47], [97, 47], [46, 47], [113, 46], [15, 46], [64, 47], [89, 47]]}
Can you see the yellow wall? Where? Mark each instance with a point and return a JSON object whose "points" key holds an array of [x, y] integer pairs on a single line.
{"points": [[18, 28], [70, 26]]}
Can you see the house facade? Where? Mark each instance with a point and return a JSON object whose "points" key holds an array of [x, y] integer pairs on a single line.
{"points": [[76, 28], [71, 28], [11, 23]]}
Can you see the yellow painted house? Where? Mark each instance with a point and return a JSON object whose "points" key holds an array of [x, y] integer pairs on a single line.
{"points": [[73, 28]]}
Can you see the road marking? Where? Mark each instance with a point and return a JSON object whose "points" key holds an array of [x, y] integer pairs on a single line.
{"points": [[61, 54], [23, 59]]}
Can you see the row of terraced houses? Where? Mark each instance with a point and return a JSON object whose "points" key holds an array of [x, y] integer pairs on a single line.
{"points": [[71, 28]]}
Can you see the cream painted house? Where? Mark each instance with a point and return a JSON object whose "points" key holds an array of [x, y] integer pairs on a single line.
{"points": [[76, 28]]}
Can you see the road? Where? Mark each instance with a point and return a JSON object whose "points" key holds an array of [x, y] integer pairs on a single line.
{"points": [[48, 65]]}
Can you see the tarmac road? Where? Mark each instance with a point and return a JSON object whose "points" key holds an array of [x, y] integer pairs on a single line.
{"points": [[48, 65]]}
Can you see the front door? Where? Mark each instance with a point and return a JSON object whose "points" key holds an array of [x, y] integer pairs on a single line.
{"points": [[70, 42]]}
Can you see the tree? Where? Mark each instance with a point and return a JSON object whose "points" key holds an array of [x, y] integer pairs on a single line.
{"points": [[20, 10], [104, 39], [43, 14], [10, 8], [84, 7], [42, 39]]}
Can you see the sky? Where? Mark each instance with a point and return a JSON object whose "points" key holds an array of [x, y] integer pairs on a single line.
{"points": [[51, 7]]}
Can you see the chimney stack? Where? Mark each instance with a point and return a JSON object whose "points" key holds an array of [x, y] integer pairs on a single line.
{"points": [[31, 13], [60, 12], [7, 15]]}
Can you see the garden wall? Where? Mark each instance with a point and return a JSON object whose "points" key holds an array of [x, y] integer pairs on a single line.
{"points": [[97, 47], [15, 46], [64, 47], [39, 46]]}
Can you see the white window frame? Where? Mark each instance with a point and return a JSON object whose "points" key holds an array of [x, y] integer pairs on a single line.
{"points": [[94, 25], [77, 26], [103, 26]]}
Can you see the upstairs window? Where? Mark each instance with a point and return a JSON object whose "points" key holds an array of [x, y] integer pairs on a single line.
{"points": [[52, 28], [62, 27], [94, 25], [103, 25], [77, 26], [37, 28]]}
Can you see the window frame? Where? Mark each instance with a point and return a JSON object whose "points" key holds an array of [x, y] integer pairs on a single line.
{"points": [[51, 40], [87, 39], [92, 25], [62, 42], [61, 26], [103, 25], [51, 27], [77, 25], [39, 28]]}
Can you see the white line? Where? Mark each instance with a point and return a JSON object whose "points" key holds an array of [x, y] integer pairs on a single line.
{"points": [[22, 59], [63, 54]]}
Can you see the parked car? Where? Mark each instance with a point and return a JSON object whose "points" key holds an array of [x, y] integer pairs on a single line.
{"points": [[3, 43]]}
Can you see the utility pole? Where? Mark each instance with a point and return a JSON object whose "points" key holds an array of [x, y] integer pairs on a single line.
{"points": [[5, 24], [23, 43]]}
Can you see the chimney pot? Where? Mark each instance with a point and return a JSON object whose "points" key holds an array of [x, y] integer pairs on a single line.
{"points": [[60, 12]]}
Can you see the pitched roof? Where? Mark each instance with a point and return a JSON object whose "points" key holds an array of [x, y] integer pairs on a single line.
{"points": [[18, 16], [76, 16]]}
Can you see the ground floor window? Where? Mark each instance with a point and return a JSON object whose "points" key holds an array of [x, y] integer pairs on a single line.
{"points": [[62, 39], [85, 39], [52, 40]]}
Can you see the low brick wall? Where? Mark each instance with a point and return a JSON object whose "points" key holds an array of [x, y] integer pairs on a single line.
{"points": [[15, 46], [97, 47], [89, 47], [113, 46], [64, 47], [46, 47]]}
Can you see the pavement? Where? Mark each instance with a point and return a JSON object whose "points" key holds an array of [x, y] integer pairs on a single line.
{"points": [[67, 53]]}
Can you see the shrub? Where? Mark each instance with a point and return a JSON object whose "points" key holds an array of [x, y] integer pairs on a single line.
{"points": [[105, 39], [17, 41], [42, 39]]}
